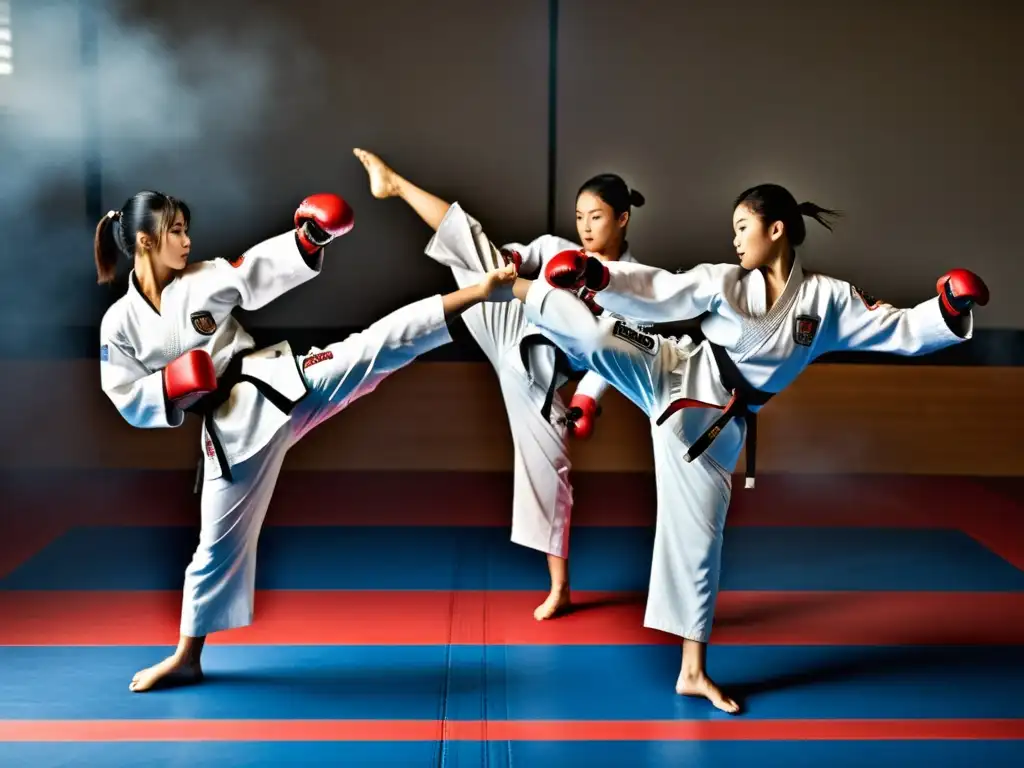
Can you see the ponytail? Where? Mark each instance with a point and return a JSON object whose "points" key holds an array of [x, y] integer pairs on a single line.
{"points": [[106, 249], [819, 214], [772, 202]]}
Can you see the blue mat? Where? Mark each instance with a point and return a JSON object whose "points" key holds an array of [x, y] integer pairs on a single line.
{"points": [[499, 754], [407, 558], [517, 682]]}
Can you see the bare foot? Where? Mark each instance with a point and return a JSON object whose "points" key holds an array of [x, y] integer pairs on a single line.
{"points": [[702, 685], [172, 671], [383, 181], [557, 603]]}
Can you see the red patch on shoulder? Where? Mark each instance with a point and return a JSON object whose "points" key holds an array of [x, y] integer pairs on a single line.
{"points": [[319, 357]]}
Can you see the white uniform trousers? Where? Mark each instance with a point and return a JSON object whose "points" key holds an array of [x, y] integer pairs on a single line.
{"points": [[542, 492], [692, 498], [220, 582]]}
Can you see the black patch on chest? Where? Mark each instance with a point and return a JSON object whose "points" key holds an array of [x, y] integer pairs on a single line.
{"points": [[642, 341], [204, 323], [805, 328]]}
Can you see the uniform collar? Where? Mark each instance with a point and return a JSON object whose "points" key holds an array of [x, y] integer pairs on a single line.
{"points": [[135, 291], [793, 283]]}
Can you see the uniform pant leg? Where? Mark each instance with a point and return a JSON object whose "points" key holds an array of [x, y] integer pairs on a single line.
{"points": [[542, 495], [345, 371], [220, 581], [542, 491], [693, 500], [637, 364], [461, 245]]}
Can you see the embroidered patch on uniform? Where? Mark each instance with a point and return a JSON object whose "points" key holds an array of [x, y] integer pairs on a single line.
{"points": [[805, 328], [642, 341], [869, 301], [104, 353], [204, 323], [319, 357], [209, 448]]}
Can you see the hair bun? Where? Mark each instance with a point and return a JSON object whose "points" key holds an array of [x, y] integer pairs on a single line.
{"points": [[636, 199]]}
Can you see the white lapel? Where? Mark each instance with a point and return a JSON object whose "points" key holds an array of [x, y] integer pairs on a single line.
{"points": [[763, 324]]}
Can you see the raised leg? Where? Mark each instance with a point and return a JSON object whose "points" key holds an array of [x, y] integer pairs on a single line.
{"points": [[385, 183]]}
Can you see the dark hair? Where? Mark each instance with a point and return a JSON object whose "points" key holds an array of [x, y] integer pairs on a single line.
{"points": [[614, 191], [772, 203], [149, 212]]}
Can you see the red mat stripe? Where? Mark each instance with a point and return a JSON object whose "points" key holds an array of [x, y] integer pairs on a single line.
{"points": [[506, 618], [422, 730]]}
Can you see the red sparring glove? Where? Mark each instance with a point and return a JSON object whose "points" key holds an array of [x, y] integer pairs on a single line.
{"points": [[575, 270], [960, 290], [321, 218], [189, 377], [512, 257], [566, 270], [581, 415], [588, 297]]}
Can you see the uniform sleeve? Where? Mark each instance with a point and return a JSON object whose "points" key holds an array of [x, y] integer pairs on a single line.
{"points": [[592, 385], [269, 270], [535, 253], [137, 393], [652, 295], [859, 323]]}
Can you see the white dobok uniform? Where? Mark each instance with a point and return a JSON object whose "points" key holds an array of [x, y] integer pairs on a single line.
{"points": [[815, 314], [268, 400], [529, 374]]}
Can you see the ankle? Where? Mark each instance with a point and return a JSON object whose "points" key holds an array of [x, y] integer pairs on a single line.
{"points": [[692, 674]]}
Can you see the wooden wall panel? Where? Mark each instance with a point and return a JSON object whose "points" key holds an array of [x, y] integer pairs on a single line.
{"points": [[449, 416]]}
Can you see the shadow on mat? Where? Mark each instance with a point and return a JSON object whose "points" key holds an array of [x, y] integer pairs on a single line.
{"points": [[609, 601], [871, 663], [755, 613]]}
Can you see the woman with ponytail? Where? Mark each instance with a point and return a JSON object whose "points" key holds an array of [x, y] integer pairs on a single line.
{"points": [[171, 345], [767, 320], [530, 369]]}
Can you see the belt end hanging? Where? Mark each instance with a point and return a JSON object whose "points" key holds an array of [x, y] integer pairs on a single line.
{"points": [[748, 483]]}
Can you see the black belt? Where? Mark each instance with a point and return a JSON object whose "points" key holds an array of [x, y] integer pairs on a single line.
{"points": [[744, 395], [209, 403], [562, 366]]}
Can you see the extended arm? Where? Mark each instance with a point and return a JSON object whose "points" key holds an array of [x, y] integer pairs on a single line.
{"points": [[861, 324], [640, 292], [272, 268]]}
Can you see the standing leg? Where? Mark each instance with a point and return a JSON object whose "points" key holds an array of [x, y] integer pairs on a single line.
{"points": [[685, 570], [692, 498], [542, 491], [220, 581]]}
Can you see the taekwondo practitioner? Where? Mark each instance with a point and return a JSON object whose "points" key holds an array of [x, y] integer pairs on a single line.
{"points": [[766, 321], [171, 345], [530, 368]]}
